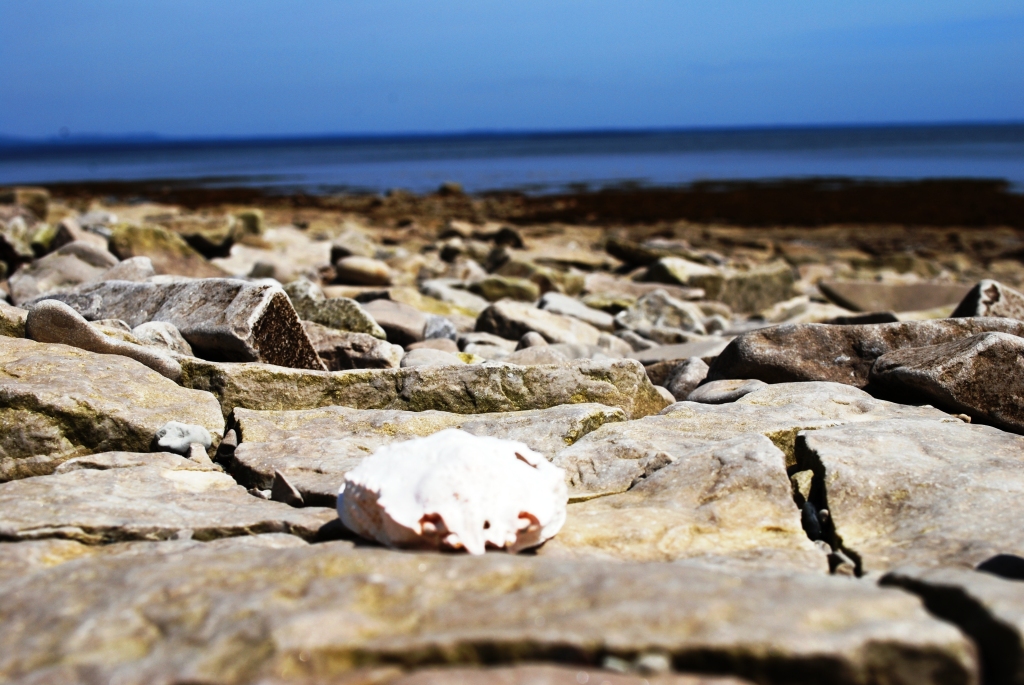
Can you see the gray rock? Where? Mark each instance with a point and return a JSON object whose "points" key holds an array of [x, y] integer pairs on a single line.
{"points": [[402, 323], [494, 288], [356, 270], [541, 354], [614, 346], [12, 320], [636, 341], [428, 357], [991, 298], [531, 339], [314, 448], [871, 296], [685, 376], [841, 354], [135, 269], [557, 303], [478, 338], [441, 290], [162, 334], [340, 350], [925, 493], [659, 310], [51, 321], [340, 313], [706, 349], [178, 437], [744, 290], [438, 327], [145, 502], [443, 344], [322, 608], [222, 319], [513, 320], [66, 268], [721, 392], [613, 287]]}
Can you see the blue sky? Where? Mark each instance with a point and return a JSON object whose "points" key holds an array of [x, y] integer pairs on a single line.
{"points": [[270, 67]]}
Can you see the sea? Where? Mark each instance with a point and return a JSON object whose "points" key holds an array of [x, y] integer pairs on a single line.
{"points": [[535, 163]]}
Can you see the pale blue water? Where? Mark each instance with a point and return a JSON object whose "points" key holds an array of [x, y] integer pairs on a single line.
{"points": [[535, 163]]}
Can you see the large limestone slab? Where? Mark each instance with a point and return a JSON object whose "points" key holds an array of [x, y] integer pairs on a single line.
{"points": [[728, 499], [221, 318], [145, 497], [918, 492], [513, 320], [872, 296], [314, 448], [843, 354], [461, 389], [616, 456], [218, 615], [57, 402]]}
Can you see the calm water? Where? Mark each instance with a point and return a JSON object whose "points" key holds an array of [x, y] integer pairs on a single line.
{"points": [[536, 163]]}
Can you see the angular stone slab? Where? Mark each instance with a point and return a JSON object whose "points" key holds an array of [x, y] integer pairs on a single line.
{"points": [[728, 499], [841, 354], [513, 320], [315, 447], [981, 376], [58, 402], [918, 492], [463, 389], [132, 500], [236, 615], [221, 318], [871, 296], [615, 457]]}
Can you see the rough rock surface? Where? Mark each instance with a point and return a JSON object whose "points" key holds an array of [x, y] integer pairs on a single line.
{"points": [[230, 614], [57, 402], [402, 323], [744, 290], [71, 265], [169, 252], [222, 319], [12, 321], [557, 303], [842, 354], [512, 320], [721, 392], [684, 377], [865, 296], [341, 350], [991, 298], [162, 334]]}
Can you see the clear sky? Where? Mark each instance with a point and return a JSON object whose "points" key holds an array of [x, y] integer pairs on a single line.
{"points": [[283, 67]]}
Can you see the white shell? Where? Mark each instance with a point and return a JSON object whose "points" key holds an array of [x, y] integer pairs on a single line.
{"points": [[453, 489]]}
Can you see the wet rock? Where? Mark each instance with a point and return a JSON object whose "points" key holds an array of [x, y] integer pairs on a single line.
{"points": [[145, 502], [51, 321], [780, 628], [341, 350], [721, 392], [991, 298], [222, 319], [169, 253], [162, 334], [429, 357], [871, 296], [512, 320], [454, 490], [685, 377], [842, 354], [494, 288], [658, 309], [462, 389], [557, 303], [12, 320], [362, 271], [917, 492], [59, 271], [58, 402], [178, 437]]}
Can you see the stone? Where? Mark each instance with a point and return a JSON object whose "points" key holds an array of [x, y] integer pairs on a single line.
{"points": [[59, 271], [923, 493], [658, 309], [429, 357], [51, 321], [12, 320], [221, 318], [438, 327], [495, 288], [616, 457], [872, 296], [340, 313], [145, 502], [169, 253], [241, 613], [722, 392], [315, 448], [454, 490], [352, 242], [841, 354], [135, 269], [685, 377], [402, 323], [513, 320], [531, 339], [611, 287], [446, 292], [464, 340], [162, 334], [570, 282], [356, 270], [801, 309], [58, 402], [548, 674], [341, 350], [443, 344], [730, 499], [540, 354], [179, 437], [748, 291], [557, 303], [283, 491], [991, 298], [706, 349], [36, 200]]}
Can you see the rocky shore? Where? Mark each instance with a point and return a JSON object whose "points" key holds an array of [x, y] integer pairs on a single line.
{"points": [[792, 454]]}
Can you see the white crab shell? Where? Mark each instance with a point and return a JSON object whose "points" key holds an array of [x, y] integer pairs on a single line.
{"points": [[455, 490]]}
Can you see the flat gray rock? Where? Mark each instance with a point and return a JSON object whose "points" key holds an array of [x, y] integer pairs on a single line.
{"points": [[722, 392], [924, 493], [871, 296], [315, 447], [221, 318], [512, 320], [841, 354], [145, 502], [703, 349], [58, 402], [242, 614], [557, 303]]}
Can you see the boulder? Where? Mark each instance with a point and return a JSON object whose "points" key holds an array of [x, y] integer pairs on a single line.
{"points": [[991, 298], [140, 499], [512, 320], [59, 271], [925, 493], [841, 354], [223, 319], [494, 288], [58, 402], [341, 350], [872, 296], [462, 389], [169, 253], [241, 613]]}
